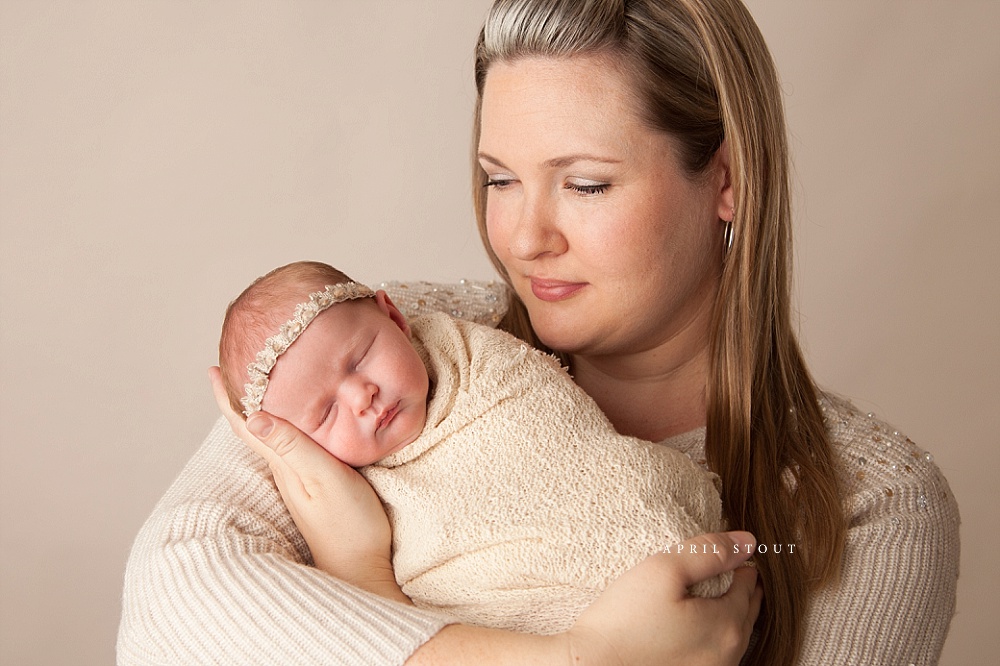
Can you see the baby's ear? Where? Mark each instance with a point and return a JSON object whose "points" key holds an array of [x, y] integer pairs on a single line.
{"points": [[386, 305]]}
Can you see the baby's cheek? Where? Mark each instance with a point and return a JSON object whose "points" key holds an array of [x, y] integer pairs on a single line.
{"points": [[331, 446]]}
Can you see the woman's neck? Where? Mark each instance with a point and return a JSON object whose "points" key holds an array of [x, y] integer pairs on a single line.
{"points": [[651, 395]]}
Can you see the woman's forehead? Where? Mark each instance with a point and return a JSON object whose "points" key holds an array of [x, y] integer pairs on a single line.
{"points": [[547, 110], [571, 83]]}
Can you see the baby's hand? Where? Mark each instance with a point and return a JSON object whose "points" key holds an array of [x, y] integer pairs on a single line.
{"points": [[337, 512]]}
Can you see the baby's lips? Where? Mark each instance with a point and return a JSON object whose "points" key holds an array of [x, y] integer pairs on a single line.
{"points": [[386, 417]]}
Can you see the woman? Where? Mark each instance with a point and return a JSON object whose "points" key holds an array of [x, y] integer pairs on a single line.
{"points": [[631, 186]]}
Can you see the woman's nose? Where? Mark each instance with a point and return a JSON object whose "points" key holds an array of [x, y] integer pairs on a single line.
{"points": [[536, 232]]}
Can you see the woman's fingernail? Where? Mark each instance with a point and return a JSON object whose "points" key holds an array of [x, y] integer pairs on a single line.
{"points": [[260, 425], [744, 540]]}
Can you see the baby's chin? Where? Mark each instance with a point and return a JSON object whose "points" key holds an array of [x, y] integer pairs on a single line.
{"points": [[364, 458], [400, 446], [352, 459]]}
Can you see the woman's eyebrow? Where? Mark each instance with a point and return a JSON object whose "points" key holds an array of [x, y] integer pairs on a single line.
{"points": [[486, 157], [579, 157], [557, 162]]}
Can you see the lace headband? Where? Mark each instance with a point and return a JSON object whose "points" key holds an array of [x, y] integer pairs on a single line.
{"points": [[276, 345]]}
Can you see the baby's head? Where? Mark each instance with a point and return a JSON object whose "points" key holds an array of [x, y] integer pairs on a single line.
{"points": [[348, 376]]}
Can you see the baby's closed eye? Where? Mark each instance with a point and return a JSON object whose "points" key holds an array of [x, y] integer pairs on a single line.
{"points": [[328, 411], [364, 354]]}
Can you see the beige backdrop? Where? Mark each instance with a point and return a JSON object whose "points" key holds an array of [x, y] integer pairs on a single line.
{"points": [[157, 155]]}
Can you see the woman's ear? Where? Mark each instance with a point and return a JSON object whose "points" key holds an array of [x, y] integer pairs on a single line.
{"points": [[386, 305], [723, 182]]}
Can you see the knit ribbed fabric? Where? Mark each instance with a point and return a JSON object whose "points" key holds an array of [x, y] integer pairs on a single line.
{"points": [[220, 575]]}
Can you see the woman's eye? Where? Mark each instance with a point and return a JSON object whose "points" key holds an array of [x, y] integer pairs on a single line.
{"points": [[588, 188], [498, 183]]}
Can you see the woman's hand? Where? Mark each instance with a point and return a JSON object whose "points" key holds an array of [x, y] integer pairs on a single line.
{"points": [[647, 616], [644, 618], [333, 506]]}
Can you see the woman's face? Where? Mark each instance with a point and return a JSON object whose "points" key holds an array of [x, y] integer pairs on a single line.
{"points": [[611, 246]]}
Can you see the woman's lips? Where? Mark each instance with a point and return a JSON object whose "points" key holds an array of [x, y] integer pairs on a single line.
{"points": [[554, 290]]}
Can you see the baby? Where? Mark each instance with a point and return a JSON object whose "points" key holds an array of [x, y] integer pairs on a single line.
{"points": [[513, 501]]}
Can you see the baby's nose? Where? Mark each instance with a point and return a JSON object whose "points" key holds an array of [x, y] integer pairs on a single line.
{"points": [[362, 395]]}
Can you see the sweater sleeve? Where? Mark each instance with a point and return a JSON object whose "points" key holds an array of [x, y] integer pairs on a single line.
{"points": [[220, 575], [896, 595]]}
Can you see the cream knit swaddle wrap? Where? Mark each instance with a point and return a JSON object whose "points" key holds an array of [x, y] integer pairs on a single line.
{"points": [[519, 502]]}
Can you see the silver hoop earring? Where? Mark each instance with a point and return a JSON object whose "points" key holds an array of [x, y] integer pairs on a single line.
{"points": [[727, 236]]}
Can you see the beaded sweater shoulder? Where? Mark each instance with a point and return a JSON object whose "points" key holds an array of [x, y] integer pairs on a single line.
{"points": [[901, 555], [480, 301]]}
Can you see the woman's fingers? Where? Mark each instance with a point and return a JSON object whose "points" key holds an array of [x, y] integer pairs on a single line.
{"points": [[333, 506], [740, 605], [335, 509], [221, 397], [236, 421], [744, 578], [299, 464], [707, 555], [648, 616]]}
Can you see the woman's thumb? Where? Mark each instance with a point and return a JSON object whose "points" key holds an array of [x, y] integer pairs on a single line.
{"points": [[260, 426], [279, 436], [297, 451]]}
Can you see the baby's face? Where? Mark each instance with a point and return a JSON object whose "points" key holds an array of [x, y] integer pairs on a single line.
{"points": [[353, 382]]}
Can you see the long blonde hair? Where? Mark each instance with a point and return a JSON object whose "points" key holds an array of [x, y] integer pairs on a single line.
{"points": [[704, 75]]}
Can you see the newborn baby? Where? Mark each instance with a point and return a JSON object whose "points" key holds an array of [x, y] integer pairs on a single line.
{"points": [[513, 501]]}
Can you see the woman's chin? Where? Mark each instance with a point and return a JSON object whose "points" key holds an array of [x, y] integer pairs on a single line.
{"points": [[563, 338], [568, 327]]}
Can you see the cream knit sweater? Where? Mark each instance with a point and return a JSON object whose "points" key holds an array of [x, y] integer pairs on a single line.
{"points": [[220, 575], [896, 593], [519, 502]]}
